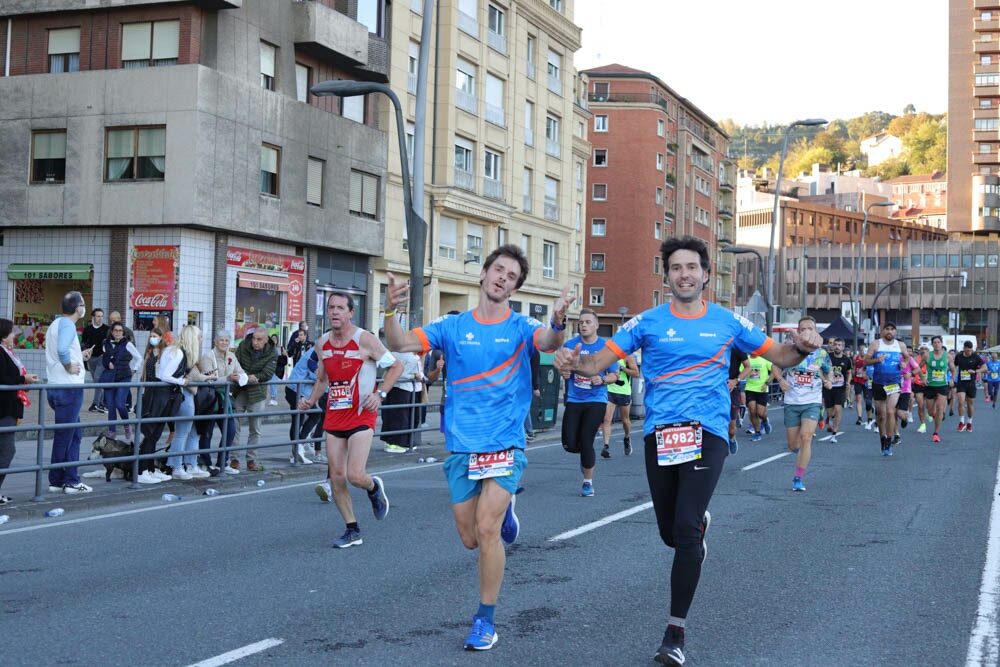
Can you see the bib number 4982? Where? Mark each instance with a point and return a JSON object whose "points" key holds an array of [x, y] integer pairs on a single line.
{"points": [[678, 443]]}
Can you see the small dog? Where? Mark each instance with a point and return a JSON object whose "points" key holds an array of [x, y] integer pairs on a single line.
{"points": [[106, 448]]}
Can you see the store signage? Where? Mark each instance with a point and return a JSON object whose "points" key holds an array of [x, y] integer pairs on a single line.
{"points": [[49, 271], [296, 300], [154, 277], [264, 260]]}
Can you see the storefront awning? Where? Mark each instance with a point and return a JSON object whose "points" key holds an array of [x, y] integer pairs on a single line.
{"points": [[261, 281], [49, 271]]}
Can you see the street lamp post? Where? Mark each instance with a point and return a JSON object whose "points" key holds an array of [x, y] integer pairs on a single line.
{"points": [[854, 316], [416, 227], [745, 250], [808, 122], [861, 258]]}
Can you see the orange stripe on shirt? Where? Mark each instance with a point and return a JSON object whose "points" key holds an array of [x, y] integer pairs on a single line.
{"points": [[611, 345], [492, 384], [714, 358], [426, 344], [499, 368], [763, 348]]}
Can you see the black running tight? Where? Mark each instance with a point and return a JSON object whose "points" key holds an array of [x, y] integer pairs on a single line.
{"points": [[579, 428]]}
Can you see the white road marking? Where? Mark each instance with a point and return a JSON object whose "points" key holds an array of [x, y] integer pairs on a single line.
{"points": [[830, 436], [984, 644], [765, 461], [601, 522], [239, 653]]}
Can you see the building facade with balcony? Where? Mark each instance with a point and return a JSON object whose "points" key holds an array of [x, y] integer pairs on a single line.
{"points": [[921, 198], [167, 157], [659, 169], [505, 151], [974, 115]]}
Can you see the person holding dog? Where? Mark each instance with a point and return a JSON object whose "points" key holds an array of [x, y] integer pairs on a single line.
{"points": [[119, 359], [12, 372]]}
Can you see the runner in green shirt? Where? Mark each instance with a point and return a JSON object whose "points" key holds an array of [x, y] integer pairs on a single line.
{"points": [[759, 373]]}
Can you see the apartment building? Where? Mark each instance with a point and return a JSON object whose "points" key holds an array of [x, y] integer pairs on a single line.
{"points": [[167, 157], [973, 202], [921, 198], [659, 169], [505, 152]]}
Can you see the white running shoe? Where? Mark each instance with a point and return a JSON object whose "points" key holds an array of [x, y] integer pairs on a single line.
{"points": [[178, 473], [300, 454], [195, 471], [231, 471], [79, 487], [147, 478], [162, 476]]}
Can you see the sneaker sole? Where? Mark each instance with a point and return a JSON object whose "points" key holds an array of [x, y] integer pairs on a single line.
{"points": [[511, 533], [355, 543], [665, 659], [472, 647], [323, 494], [385, 498]]}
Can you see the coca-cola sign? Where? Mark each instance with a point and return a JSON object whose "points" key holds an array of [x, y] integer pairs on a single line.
{"points": [[159, 301], [154, 277]]}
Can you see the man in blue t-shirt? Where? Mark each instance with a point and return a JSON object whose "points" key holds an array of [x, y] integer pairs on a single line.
{"points": [[488, 394], [685, 363]]}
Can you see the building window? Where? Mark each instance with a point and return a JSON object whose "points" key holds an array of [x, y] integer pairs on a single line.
{"points": [[270, 163], [464, 171], [578, 217], [660, 127], [448, 238], [303, 77], [412, 64], [353, 108], [48, 157], [502, 236], [596, 296], [597, 261], [268, 58], [598, 227], [578, 175], [492, 179], [576, 259], [600, 157], [556, 5], [473, 242], [371, 14], [551, 199], [465, 83], [656, 265], [364, 194], [526, 192], [496, 36], [554, 69], [526, 245], [548, 259], [601, 123], [494, 101], [314, 181], [657, 230], [656, 298], [659, 161], [64, 50], [659, 196], [552, 135], [468, 17], [150, 44], [530, 57], [135, 153], [600, 192]]}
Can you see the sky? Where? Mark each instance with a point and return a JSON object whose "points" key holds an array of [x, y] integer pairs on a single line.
{"points": [[776, 61]]}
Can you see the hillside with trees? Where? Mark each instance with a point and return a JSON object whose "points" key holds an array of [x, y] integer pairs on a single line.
{"points": [[924, 137]]}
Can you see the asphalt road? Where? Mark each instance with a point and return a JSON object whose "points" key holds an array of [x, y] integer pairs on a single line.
{"points": [[880, 562]]}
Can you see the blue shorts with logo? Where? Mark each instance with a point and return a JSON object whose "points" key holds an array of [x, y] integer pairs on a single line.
{"points": [[461, 488], [794, 414]]}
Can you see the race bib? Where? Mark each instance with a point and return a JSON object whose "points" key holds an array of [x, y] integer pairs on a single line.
{"points": [[965, 376], [937, 375], [340, 396], [890, 389], [802, 379], [994, 375], [754, 373], [838, 378], [678, 443], [491, 464], [582, 382]]}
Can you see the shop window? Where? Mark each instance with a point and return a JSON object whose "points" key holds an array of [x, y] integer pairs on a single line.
{"points": [[136, 153], [270, 163], [150, 44], [314, 181], [38, 292], [364, 194], [48, 157], [64, 50]]}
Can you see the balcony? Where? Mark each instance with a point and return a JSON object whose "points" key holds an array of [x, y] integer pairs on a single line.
{"points": [[492, 188], [725, 186], [628, 98], [417, 6], [555, 84], [465, 180], [328, 34], [411, 83], [496, 42], [529, 137], [467, 101], [495, 115], [724, 266], [986, 91], [992, 157], [468, 24], [986, 47], [984, 136], [552, 148], [990, 25], [526, 203], [986, 4], [726, 213], [551, 210]]}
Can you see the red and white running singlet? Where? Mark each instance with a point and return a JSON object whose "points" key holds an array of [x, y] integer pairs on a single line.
{"points": [[351, 379]]}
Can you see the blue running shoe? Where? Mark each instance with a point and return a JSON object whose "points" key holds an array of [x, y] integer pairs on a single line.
{"points": [[797, 484], [350, 538], [888, 451], [766, 426], [588, 489], [510, 527], [756, 437], [483, 635], [379, 501], [671, 651], [734, 446]]}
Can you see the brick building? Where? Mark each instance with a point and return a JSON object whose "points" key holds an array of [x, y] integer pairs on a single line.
{"points": [[659, 169], [168, 157]]}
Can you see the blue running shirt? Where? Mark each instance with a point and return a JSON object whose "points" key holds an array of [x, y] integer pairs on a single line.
{"points": [[579, 389], [685, 362], [887, 372], [992, 371], [488, 390]]}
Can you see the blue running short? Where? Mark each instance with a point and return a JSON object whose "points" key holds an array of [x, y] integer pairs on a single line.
{"points": [[461, 488], [794, 414]]}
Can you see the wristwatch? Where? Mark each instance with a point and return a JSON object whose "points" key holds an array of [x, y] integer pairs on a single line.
{"points": [[381, 394]]}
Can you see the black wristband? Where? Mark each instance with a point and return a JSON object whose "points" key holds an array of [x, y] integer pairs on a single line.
{"points": [[801, 351]]}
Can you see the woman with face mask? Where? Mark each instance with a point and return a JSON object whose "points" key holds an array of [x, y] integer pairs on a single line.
{"points": [[12, 372], [119, 360]]}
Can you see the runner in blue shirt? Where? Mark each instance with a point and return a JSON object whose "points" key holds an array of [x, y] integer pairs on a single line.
{"points": [[685, 363], [586, 397], [992, 378], [488, 395], [885, 354]]}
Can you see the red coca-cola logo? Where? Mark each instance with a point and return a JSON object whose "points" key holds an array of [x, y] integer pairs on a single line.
{"points": [[234, 255], [297, 265], [295, 288], [152, 301]]}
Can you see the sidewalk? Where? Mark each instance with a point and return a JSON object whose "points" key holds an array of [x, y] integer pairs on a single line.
{"points": [[275, 459]]}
